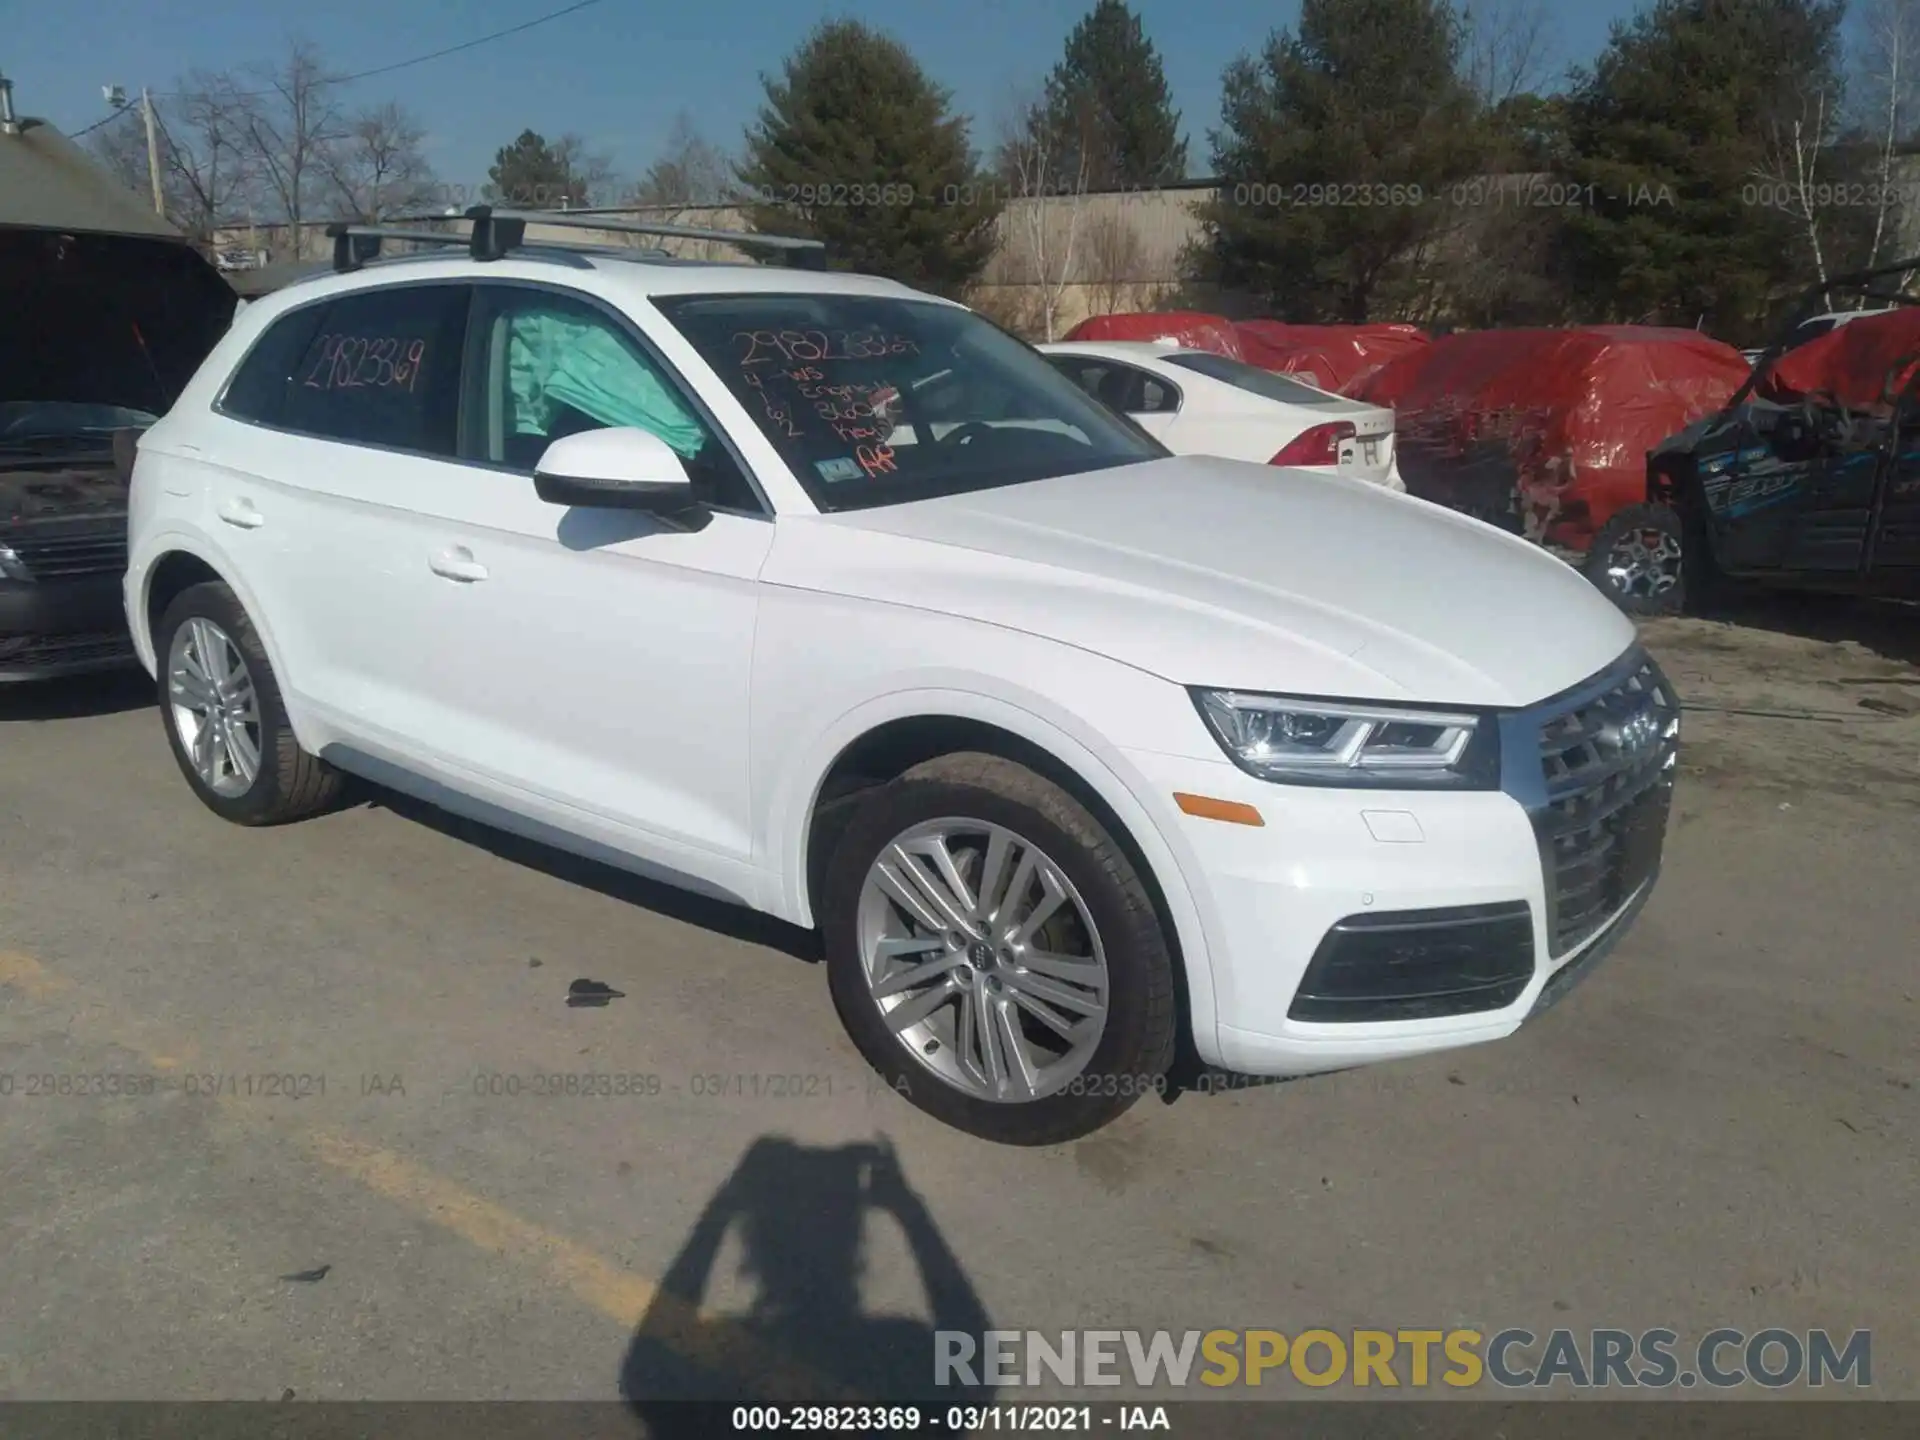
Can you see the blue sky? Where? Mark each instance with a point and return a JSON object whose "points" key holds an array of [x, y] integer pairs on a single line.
{"points": [[617, 73]]}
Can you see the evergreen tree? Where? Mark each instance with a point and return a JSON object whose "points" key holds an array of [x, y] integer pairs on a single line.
{"points": [[1107, 104], [534, 174], [1682, 138], [1336, 151], [857, 147]]}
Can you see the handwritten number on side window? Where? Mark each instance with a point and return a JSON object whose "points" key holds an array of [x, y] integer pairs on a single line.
{"points": [[362, 362]]}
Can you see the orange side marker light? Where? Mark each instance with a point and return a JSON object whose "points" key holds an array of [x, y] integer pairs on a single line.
{"points": [[1208, 808]]}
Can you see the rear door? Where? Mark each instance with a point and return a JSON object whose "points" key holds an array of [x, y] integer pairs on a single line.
{"points": [[351, 411]]}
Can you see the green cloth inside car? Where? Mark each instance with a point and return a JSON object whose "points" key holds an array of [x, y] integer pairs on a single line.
{"points": [[554, 359]]}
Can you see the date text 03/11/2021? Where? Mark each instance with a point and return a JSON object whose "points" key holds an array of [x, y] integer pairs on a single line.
{"points": [[954, 1420]]}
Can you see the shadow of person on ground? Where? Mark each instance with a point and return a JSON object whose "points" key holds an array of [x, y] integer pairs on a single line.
{"points": [[801, 1215]]}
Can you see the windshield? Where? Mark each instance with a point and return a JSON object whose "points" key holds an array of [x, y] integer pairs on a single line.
{"points": [[1246, 377], [875, 401]]}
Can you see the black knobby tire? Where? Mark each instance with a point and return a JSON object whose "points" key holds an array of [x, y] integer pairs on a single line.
{"points": [[291, 784], [1662, 520], [1136, 1050]]}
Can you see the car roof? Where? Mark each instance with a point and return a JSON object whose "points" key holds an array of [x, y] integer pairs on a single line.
{"points": [[613, 276]]}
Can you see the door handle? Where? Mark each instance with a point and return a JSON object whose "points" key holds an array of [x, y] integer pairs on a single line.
{"points": [[457, 564], [241, 513]]}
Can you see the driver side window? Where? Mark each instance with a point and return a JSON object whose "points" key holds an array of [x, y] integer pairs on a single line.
{"points": [[546, 366]]}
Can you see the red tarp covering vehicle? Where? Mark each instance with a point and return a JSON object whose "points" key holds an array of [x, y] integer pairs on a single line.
{"points": [[1546, 432], [1340, 358], [1861, 364], [1191, 328]]}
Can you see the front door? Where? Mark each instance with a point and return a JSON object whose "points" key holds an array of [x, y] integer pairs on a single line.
{"points": [[1798, 495], [595, 658]]}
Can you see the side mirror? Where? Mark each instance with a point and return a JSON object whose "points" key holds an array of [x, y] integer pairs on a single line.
{"points": [[619, 469]]}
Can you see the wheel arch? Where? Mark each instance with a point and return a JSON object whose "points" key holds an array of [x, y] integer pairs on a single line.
{"points": [[883, 740], [179, 562]]}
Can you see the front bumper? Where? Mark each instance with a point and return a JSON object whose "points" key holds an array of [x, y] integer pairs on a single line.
{"points": [[62, 626], [1295, 910]]}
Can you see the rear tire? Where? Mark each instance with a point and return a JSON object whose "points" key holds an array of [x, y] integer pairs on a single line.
{"points": [[1639, 560], [1061, 1074], [225, 720]]}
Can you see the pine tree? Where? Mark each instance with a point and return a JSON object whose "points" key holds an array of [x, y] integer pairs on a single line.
{"points": [[1107, 102], [1336, 151], [1680, 137], [534, 174], [856, 146]]}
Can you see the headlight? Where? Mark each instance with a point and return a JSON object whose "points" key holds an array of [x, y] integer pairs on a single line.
{"points": [[1304, 741], [10, 566]]}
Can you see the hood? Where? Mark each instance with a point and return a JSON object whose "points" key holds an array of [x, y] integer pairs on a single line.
{"points": [[1223, 573], [114, 319]]}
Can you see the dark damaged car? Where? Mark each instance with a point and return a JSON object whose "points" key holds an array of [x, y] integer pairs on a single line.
{"points": [[1809, 477], [109, 312]]}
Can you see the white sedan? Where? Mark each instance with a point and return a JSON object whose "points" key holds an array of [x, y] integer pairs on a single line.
{"points": [[1198, 403]]}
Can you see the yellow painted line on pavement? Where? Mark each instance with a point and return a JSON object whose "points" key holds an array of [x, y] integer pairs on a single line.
{"points": [[29, 976], [633, 1301], [618, 1293]]}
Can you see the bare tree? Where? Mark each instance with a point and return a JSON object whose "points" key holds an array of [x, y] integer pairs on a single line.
{"points": [[1795, 141], [1889, 85], [1115, 257], [1048, 201], [1508, 48], [690, 170], [1013, 308], [120, 146], [204, 171], [377, 167], [291, 120], [590, 174]]}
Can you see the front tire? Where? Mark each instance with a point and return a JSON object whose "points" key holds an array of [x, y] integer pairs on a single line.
{"points": [[1637, 559], [995, 955], [225, 720]]}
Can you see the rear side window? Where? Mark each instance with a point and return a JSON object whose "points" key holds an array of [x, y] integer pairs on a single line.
{"points": [[1119, 387], [259, 388], [381, 367]]}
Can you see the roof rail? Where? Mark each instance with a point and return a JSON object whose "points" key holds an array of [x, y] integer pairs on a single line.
{"points": [[495, 233], [803, 253]]}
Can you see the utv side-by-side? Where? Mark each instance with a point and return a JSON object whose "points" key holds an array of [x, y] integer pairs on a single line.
{"points": [[1808, 478]]}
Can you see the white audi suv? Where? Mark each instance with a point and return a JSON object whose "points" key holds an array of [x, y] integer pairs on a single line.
{"points": [[1093, 765]]}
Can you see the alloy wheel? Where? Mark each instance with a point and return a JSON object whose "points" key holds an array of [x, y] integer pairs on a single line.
{"points": [[983, 959], [1644, 562], [216, 710]]}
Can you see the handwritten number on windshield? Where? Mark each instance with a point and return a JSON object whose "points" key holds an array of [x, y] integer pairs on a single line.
{"points": [[775, 411], [808, 347]]}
